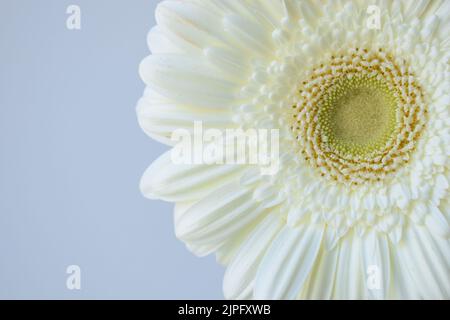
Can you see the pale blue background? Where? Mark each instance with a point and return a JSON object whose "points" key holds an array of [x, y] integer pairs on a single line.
{"points": [[71, 156]]}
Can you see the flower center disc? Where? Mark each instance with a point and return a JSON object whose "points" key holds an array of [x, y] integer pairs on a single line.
{"points": [[358, 115]]}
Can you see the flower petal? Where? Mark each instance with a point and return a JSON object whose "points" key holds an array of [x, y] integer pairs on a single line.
{"points": [[191, 26], [376, 254], [349, 278], [324, 274], [240, 274], [160, 118], [437, 223], [429, 270], [288, 262], [187, 80], [169, 181], [218, 217]]}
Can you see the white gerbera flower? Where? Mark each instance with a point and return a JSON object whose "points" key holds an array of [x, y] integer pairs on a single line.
{"points": [[359, 207]]}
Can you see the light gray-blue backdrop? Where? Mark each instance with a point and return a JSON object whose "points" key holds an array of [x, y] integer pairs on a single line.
{"points": [[71, 156]]}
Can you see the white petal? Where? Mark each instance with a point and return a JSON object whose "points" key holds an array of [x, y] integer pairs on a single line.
{"points": [[185, 182], [230, 247], [180, 208], [437, 252], [402, 284], [189, 25], [187, 80], [440, 188], [296, 213], [240, 274], [160, 118], [233, 64], [376, 258], [248, 34], [443, 13], [323, 275], [158, 43], [288, 262], [415, 8], [419, 262], [220, 216], [444, 206], [349, 278], [437, 223]]}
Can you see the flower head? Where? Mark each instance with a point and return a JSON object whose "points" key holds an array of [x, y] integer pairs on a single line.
{"points": [[359, 207]]}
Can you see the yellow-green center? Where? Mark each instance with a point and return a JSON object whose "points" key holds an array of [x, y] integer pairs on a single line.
{"points": [[358, 115]]}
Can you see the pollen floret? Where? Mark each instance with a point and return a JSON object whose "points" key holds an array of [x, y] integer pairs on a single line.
{"points": [[359, 116]]}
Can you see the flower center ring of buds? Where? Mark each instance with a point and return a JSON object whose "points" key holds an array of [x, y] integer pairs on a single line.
{"points": [[359, 116]]}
